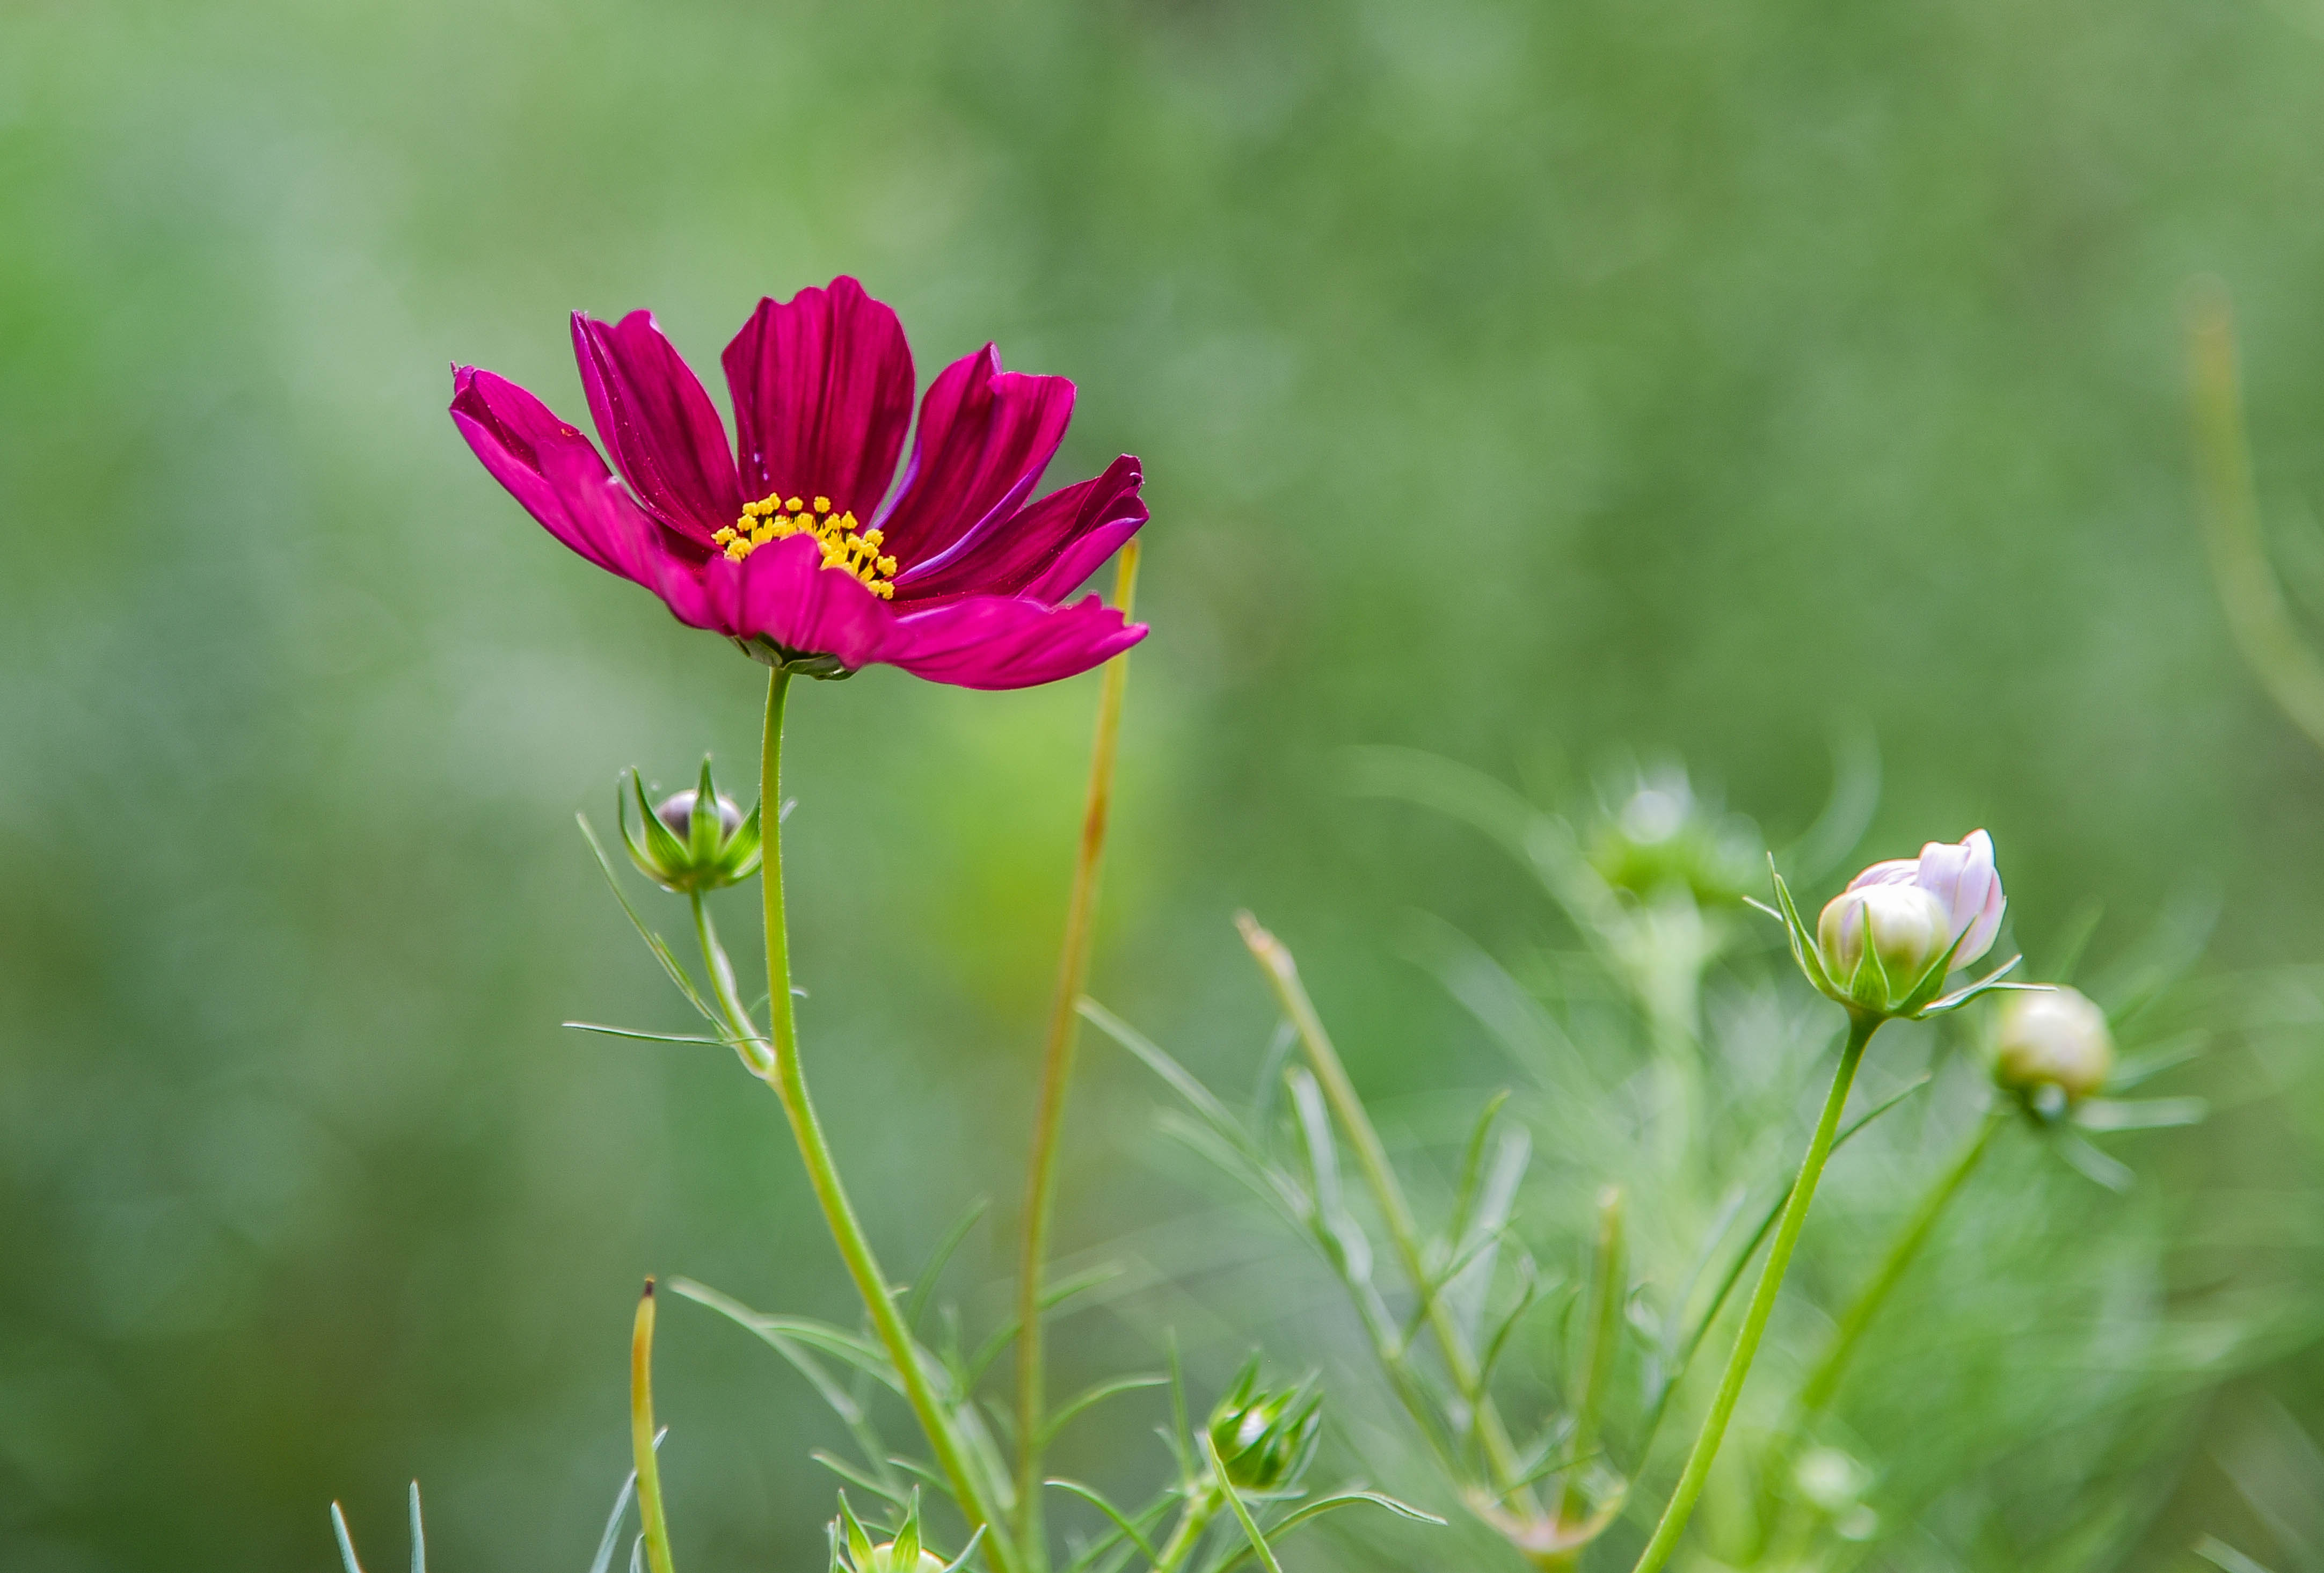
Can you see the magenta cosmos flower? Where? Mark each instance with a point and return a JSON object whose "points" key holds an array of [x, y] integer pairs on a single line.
{"points": [[795, 545]]}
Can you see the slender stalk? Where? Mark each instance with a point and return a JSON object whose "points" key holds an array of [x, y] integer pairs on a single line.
{"points": [[789, 1083], [1056, 1073], [642, 1433], [1192, 1523], [739, 1025], [1609, 1288], [1824, 1381], [2285, 664], [1817, 1391], [1387, 1192], [1658, 1550]]}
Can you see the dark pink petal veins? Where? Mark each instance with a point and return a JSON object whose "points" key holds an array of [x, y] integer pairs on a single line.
{"points": [[822, 395], [659, 425], [1043, 552], [557, 474], [993, 642], [985, 437]]}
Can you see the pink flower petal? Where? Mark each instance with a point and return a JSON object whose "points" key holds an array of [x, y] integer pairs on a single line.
{"points": [[985, 437], [557, 475], [782, 592], [657, 423], [991, 642], [1043, 552], [1894, 871], [822, 395]]}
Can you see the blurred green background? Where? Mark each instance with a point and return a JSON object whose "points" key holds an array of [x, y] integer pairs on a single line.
{"points": [[1515, 382]]}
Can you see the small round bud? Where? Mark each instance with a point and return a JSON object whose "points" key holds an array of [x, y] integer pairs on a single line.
{"points": [[1661, 838], [682, 848], [2054, 1038], [1263, 1439], [1910, 929], [677, 812], [884, 1559]]}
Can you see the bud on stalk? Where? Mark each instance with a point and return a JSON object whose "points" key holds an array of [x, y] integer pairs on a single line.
{"points": [[1884, 946], [2059, 1039], [1264, 1438], [686, 847], [1909, 930]]}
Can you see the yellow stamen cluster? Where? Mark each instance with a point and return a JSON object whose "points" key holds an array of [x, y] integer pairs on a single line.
{"points": [[846, 545]]}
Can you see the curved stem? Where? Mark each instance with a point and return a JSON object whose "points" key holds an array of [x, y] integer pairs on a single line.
{"points": [[1816, 1393], [2286, 665], [789, 1083], [1057, 1072], [1860, 1028]]}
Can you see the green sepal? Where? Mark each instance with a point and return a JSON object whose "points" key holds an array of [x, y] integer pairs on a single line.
{"points": [[798, 663], [859, 1544], [1869, 993], [1869, 988], [1932, 981], [703, 831], [708, 858], [744, 849], [1992, 982], [966, 1552], [906, 1555], [1265, 1439], [664, 859], [1806, 951]]}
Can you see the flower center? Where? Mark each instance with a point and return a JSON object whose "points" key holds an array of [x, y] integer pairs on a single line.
{"points": [[852, 550]]}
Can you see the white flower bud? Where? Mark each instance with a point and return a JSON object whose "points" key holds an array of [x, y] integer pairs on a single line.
{"points": [[1910, 930], [2056, 1038], [1962, 878]]}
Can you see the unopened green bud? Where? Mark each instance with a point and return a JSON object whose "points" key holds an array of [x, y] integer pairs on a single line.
{"points": [[1264, 1438], [2055, 1038], [1662, 837], [682, 847], [1909, 931], [853, 1551]]}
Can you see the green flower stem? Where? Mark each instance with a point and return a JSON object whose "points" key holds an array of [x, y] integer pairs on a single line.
{"points": [[2286, 665], [1861, 1026], [1608, 1293], [1199, 1511], [738, 1024], [642, 1433], [1817, 1392], [1056, 1073], [815, 1151], [1371, 1156]]}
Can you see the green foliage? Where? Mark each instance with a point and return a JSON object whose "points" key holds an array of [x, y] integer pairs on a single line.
{"points": [[1941, 1435], [1769, 371]]}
